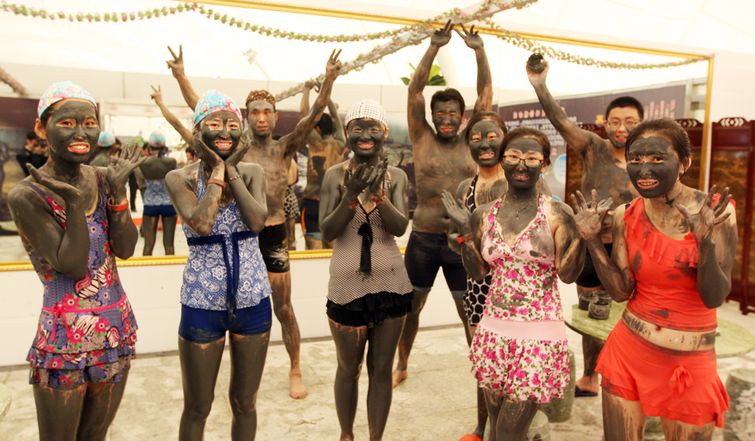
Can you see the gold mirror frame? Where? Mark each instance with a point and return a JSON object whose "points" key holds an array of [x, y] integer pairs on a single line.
{"points": [[324, 254]]}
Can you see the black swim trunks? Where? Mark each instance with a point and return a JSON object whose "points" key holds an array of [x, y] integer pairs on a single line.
{"points": [[428, 252]]}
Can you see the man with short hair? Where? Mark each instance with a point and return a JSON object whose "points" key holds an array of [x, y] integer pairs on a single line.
{"points": [[441, 161], [604, 169]]}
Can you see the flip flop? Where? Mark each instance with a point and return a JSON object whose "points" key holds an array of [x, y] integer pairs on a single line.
{"points": [[470, 437], [583, 393]]}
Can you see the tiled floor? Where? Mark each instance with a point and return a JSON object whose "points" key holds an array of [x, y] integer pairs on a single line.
{"points": [[435, 403]]}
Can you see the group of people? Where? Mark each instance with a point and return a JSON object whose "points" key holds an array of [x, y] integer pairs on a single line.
{"points": [[484, 215]]}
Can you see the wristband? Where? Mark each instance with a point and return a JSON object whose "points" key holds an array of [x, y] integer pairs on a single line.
{"points": [[217, 182], [117, 208], [460, 239]]}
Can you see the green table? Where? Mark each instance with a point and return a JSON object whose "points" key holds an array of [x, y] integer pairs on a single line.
{"points": [[731, 339]]}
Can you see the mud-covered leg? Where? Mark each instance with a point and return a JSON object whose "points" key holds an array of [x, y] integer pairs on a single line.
{"points": [[679, 431], [482, 411], [169, 234], [248, 353], [382, 348], [284, 312], [100, 406], [493, 405], [200, 363], [350, 342], [514, 419], [149, 224], [406, 341], [623, 420], [58, 412]]}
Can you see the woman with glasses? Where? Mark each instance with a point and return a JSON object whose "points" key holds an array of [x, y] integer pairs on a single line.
{"points": [[526, 241]]}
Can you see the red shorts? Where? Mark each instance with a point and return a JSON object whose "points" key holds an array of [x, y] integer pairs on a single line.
{"points": [[679, 386]]}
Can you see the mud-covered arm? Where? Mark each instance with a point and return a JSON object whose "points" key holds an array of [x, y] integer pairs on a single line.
{"points": [[471, 257], [304, 103], [570, 248], [66, 249], [394, 210], [176, 66], [574, 136], [122, 232], [247, 182], [199, 215], [614, 271], [298, 136], [473, 40], [453, 229], [335, 211], [415, 112], [172, 119]]}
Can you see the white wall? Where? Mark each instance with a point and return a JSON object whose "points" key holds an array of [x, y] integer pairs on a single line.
{"points": [[154, 294]]}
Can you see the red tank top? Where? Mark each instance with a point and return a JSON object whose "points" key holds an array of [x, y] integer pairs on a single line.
{"points": [[665, 272]]}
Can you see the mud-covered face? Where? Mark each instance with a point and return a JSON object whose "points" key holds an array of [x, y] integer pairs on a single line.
{"points": [[485, 139], [72, 130], [262, 117], [621, 120], [366, 137], [447, 118], [653, 165], [523, 162], [221, 132]]}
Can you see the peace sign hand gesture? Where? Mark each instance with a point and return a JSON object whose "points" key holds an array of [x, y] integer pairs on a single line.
{"points": [[471, 37], [442, 36], [589, 217], [333, 68], [176, 65], [157, 94], [702, 223]]}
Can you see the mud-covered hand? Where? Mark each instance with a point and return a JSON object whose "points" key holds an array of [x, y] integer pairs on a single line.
{"points": [[121, 167], [205, 153], [537, 69], [333, 67], [455, 211], [376, 186], [442, 36], [176, 65], [68, 192], [471, 37], [589, 216], [234, 158], [358, 179], [156, 95], [702, 223]]}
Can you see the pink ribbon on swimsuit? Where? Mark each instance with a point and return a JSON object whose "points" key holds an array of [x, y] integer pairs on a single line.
{"points": [[681, 379], [59, 309]]}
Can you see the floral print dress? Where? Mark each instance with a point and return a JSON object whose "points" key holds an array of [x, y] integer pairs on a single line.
{"points": [[87, 329], [523, 298]]}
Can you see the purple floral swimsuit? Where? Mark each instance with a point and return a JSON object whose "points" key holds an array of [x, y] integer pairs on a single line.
{"points": [[87, 330]]}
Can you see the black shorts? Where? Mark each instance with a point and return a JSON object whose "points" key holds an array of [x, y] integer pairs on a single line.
{"points": [[425, 254], [204, 326], [589, 278], [310, 216], [274, 248], [370, 310], [159, 210]]}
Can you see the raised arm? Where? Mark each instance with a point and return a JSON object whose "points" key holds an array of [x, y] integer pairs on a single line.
{"points": [[176, 66], [415, 113], [66, 249], [715, 231], [613, 271], [473, 40], [304, 104], [578, 139], [157, 97], [199, 215], [570, 248], [293, 140]]}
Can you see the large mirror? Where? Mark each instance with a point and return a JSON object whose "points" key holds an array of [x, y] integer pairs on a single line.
{"points": [[119, 61]]}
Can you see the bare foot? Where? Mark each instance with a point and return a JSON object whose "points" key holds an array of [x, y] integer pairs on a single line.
{"points": [[588, 384], [399, 376], [296, 388]]}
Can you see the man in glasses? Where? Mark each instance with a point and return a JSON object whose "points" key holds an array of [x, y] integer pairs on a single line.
{"points": [[604, 169]]}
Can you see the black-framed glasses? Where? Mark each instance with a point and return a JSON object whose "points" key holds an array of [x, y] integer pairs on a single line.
{"points": [[516, 160]]}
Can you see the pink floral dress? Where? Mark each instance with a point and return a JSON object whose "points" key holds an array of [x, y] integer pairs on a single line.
{"points": [[520, 348]]}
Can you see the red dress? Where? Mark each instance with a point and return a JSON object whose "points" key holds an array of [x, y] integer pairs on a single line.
{"points": [[682, 386]]}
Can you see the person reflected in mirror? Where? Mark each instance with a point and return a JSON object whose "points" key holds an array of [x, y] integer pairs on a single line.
{"points": [[525, 241], [325, 148], [673, 253], [157, 204], [274, 155], [363, 208], [441, 162], [604, 169], [73, 220], [105, 151], [225, 289]]}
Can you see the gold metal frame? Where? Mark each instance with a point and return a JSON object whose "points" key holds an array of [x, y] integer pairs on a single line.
{"points": [[321, 254]]}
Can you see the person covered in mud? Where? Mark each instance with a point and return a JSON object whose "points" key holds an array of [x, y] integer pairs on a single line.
{"points": [[291, 205], [363, 208], [526, 241], [325, 147], [105, 150], [441, 162], [604, 169], [225, 287], [157, 205], [74, 221], [672, 257], [274, 156]]}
